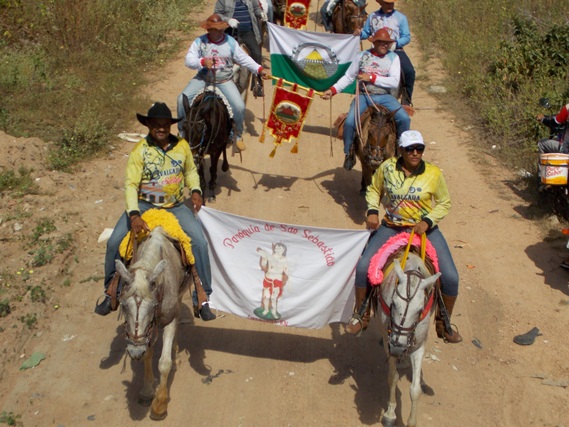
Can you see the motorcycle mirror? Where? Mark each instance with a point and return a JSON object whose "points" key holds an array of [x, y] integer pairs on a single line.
{"points": [[544, 102]]}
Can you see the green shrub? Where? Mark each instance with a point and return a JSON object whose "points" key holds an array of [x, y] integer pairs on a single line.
{"points": [[19, 185]]}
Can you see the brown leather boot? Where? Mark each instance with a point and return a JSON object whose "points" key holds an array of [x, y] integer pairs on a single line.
{"points": [[358, 323], [453, 337]]}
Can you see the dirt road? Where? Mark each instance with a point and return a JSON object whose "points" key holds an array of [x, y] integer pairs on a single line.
{"points": [[235, 372]]}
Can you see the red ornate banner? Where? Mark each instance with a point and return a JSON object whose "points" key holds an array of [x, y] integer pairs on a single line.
{"points": [[287, 115], [296, 14]]}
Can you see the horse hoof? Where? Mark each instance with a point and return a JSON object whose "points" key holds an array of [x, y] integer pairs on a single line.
{"points": [[388, 422], [158, 417], [145, 400]]}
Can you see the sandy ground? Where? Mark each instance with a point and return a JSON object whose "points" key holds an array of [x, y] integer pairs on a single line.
{"points": [[235, 372]]}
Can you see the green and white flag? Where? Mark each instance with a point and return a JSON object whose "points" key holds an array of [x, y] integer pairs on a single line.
{"points": [[314, 60]]}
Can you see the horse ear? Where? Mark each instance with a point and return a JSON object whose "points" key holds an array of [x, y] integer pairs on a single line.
{"points": [[185, 102], [429, 281], [399, 271], [123, 271], [157, 271]]}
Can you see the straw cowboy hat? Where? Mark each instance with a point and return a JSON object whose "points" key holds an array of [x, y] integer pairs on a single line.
{"points": [[159, 110], [215, 22], [383, 34]]}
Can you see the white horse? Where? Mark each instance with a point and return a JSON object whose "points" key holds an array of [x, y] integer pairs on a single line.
{"points": [[407, 300], [150, 300]]}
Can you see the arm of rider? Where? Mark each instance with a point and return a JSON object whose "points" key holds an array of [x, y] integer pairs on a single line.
{"points": [[197, 200], [421, 227], [233, 23], [137, 224], [372, 222]]}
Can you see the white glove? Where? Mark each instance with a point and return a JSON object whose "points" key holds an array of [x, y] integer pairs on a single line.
{"points": [[233, 23], [264, 16]]}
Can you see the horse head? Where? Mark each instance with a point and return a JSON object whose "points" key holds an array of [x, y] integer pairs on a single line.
{"points": [[347, 17], [408, 302], [381, 133], [139, 302]]}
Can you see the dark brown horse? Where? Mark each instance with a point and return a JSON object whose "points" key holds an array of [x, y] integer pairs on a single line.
{"points": [[207, 126], [376, 143], [279, 8], [347, 17]]}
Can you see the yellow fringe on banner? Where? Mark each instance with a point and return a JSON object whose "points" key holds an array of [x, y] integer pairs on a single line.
{"points": [[273, 153]]}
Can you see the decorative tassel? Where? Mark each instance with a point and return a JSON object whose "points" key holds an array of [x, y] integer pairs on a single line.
{"points": [[294, 149], [272, 155], [262, 137]]}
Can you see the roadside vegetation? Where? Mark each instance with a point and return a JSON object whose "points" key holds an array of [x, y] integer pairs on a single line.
{"points": [[501, 58], [71, 70]]}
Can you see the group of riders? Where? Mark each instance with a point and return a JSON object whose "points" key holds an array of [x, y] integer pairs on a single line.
{"points": [[412, 190]]}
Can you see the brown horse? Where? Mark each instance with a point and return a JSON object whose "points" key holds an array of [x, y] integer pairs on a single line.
{"points": [[347, 17], [207, 126], [279, 9], [376, 143]]}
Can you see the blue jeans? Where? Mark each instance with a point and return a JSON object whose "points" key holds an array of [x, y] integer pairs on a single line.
{"points": [[388, 101], [189, 224], [408, 73], [449, 276], [228, 89]]}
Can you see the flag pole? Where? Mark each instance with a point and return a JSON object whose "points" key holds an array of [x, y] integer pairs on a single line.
{"points": [[292, 84]]}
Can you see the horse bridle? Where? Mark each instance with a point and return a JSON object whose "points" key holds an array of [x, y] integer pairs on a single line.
{"points": [[398, 329], [150, 335]]}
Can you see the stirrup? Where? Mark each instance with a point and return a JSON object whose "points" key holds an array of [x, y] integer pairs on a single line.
{"points": [[354, 321]]}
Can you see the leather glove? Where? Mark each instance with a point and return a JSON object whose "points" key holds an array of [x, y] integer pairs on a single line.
{"points": [[233, 23], [549, 121]]}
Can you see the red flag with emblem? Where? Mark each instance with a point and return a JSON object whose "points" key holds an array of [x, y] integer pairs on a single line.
{"points": [[287, 115], [296, 14]]}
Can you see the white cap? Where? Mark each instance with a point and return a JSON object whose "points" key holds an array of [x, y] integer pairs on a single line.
{"points": [[411, 137]]}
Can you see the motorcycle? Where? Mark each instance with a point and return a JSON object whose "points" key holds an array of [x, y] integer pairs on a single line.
{"points": [[553, 165]]}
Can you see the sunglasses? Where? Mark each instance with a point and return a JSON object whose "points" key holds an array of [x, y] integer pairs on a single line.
{"points": [[419, 148]]}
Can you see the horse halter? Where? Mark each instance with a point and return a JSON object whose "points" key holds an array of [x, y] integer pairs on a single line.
{"points": [[150, 334], [398, 329]]}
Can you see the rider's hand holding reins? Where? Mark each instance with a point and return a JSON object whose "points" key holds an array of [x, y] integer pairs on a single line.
{"points": [[197, 200], [364, 77], [372, 222], [137, 224], [421, 227], [208, 63]]}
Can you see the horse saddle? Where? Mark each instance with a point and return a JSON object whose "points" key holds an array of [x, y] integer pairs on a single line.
{"points": [[341, 120], [208, 90]]}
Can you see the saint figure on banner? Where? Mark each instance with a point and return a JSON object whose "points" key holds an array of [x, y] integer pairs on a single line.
{"points": [[275, 267]]}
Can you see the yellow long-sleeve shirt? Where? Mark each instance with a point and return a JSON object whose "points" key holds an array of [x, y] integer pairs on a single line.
{"points": [[408, 200], [159, 176]]}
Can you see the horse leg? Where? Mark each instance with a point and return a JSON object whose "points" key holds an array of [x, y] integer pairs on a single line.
{"points": [[415, 391], [389, 418], [159, 408], [213, 176], [147, 392]]}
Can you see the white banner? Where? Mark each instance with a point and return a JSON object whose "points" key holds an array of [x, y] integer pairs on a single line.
{"points": [[281, 273]]}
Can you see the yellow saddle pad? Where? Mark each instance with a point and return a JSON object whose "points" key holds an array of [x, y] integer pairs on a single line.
{"points": [[159, 218]]}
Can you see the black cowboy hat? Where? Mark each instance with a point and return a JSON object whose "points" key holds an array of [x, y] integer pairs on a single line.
{"points": [[159, 110]]}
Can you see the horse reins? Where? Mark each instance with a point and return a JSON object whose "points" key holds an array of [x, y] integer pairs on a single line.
{"points": [[394, 327]]}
